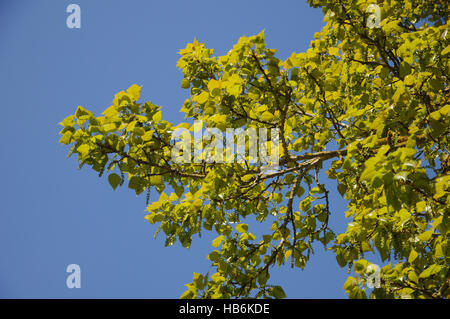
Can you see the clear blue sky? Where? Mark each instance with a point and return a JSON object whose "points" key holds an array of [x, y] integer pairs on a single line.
{"points": [[52, 214]]}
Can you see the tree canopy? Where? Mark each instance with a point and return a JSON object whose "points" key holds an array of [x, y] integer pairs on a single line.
{"points": [[367, 105]]}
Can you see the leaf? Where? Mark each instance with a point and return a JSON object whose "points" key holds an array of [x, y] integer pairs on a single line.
{"points": [[425, 236], [214, 255], [157, 117], [267, 116], [110, 127], [277, 292], [342, 189], [263, 277], [287, 254], [405, 69], [433, 269], [196, 204], [349, 283], [202, 97], [398, 93], [188, 294], [198, 280], [360, 266], [404, 215], [136, 184], [412, 256], [154, 217], [409, 80], [445, 110], [439, 251], [214, 87], [446, 50], [216, 242], [68, 121], [185, 84], [114, 180], [66, 138], [80, 112], [163, 197], [139, 131], [413, 277], [134, 91], [83, 149], [436, 115], [333, 51], [242, 228], [156, 180], [341, 259], [217, 278], [299, 191]]}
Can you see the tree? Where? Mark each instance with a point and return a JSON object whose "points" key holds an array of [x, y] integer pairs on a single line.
{"points": [[367, 104]]}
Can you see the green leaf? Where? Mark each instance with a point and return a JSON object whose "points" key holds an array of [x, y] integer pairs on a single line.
{"points": [[114, 180], [425, 236], [412, 256], [134, 91], [277, 292], [83, 149], [445, 110], [218, 278], [157, 116], [413, 277], [216, 242], [342, 189], [446, 50], [213, 256], [242, 228], [66, 138], [360, 266], [198, 280], [214, 87], [405, 69], [80, 112], [156, 180], [68, 121], [185, 84], [436, 115], [341, 259], [333, 51], [188, 294], [433, 269], [110, 127], [263, 277], [139, 131], [136, 184], [202, 97], [439, 251], [349, 284], [266, 116]]}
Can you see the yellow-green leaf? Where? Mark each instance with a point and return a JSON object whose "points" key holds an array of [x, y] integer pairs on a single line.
{"points": [[242, 228], [412, 256], [433, 269], [157, 116], [446, 50], [216, 242], [267, 116], [134, 91]]}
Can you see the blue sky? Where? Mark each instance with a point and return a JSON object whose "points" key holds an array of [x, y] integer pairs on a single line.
{"points": [[52, 214]]}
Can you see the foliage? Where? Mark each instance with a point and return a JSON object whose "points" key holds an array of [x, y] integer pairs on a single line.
{"points": [[371, 103]]}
